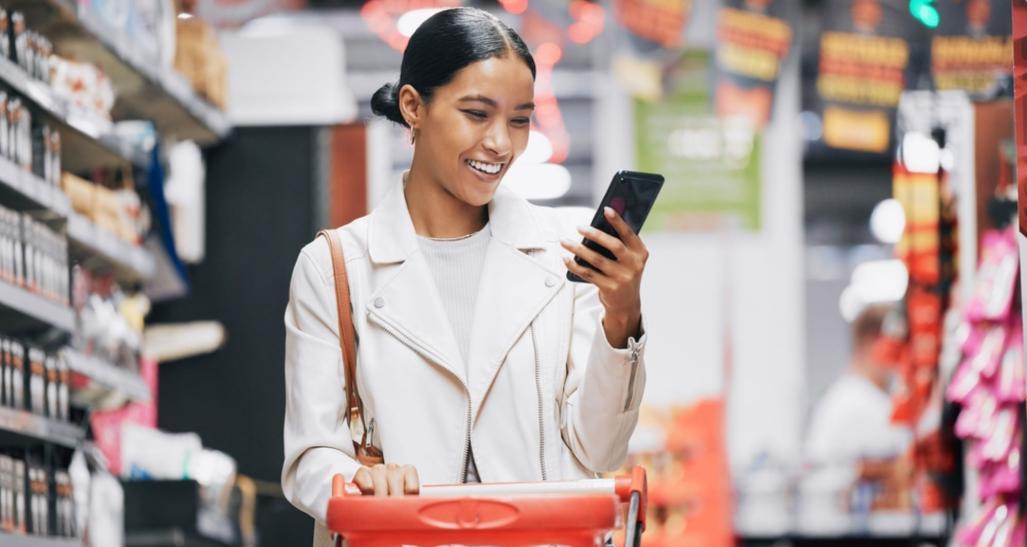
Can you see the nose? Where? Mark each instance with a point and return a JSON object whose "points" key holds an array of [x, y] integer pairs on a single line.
{"points": [[497, 139]]}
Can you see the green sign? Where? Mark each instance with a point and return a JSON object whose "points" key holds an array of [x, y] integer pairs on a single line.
{"points": [[711, 165]]}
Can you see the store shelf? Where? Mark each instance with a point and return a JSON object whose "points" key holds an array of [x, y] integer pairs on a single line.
{"points": [[20, 308], [90, 142], [117, 378], [16, 426], [169, 537], [14, 540], [145, 90], [99, 248], [23, 190]]}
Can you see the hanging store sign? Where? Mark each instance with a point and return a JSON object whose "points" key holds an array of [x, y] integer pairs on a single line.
{"points": [[658, 21], [752, 42], [863, 65], [973, 47], [711, 164]]}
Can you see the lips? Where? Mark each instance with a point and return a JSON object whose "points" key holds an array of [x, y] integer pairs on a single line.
{"points": [[485, 167]]}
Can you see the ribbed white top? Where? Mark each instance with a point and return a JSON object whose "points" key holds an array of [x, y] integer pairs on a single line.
{"points": [[456, 265]]}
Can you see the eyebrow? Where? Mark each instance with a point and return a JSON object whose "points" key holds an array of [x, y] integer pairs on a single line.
{"points": [[493, 103]]}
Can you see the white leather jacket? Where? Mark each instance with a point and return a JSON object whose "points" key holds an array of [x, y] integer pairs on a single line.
{"points": [[546, 396]]}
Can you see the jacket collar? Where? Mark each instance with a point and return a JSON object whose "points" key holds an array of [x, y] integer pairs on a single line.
{"points": [[391, 236]]}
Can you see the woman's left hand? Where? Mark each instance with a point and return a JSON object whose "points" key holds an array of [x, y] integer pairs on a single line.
{"points": [[618, 280]]}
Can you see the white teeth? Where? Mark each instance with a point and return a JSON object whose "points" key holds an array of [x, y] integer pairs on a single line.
{"points": [[490, 168]]}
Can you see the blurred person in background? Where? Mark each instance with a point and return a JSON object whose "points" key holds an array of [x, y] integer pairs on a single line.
{"points": [[852, 420], [477, 360], [851, 438]]}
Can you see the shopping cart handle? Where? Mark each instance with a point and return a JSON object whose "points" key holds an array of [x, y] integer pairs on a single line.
{"points": [[575, 513], [635, 482]]}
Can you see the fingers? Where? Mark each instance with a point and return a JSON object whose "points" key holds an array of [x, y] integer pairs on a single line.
{"points": [[394, 478], [600, 262], [627, 235], [608, 241], [362, 478], [586, 273], [388, 480], [411, 482], [381, 484]]}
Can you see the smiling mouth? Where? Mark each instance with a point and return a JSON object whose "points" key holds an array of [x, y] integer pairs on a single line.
{"points": [[484, 167]]}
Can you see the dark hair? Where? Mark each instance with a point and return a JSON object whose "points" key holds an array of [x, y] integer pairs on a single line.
{"points": [[866, 328], [445, 43]]}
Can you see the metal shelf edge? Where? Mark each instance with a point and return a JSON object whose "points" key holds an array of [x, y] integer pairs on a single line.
{"points": [[125, 381], [33, 188], [174, 85], [122, 255], [87, 123], [16, 540], [37, 307], [44, 429]]}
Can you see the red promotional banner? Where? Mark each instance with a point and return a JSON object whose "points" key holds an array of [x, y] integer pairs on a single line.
{"points": [[752, 42]]}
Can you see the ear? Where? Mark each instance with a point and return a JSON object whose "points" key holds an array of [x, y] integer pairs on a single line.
{"points": [[411, 107]]}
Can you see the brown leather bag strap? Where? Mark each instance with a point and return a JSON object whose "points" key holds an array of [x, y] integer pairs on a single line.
{"points": [[347, 335]]}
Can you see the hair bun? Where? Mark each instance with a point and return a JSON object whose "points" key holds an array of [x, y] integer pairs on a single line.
{"points": [[385, 102]]}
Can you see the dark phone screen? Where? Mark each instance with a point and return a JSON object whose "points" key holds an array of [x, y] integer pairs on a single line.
{"points": [[631, 196]]}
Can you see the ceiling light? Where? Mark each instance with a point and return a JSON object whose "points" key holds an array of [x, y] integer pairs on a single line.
{"points": [[887, 221], [409, 21], [538, 181]]}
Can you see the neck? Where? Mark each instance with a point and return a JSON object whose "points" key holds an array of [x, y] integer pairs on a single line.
{"points": [[863, 369], [435, 212]]}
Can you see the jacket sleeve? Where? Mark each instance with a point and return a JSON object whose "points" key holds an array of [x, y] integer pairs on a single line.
{"points": [[316, 438], [603, 389]]}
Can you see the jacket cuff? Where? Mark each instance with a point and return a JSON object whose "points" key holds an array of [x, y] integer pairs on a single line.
{"points": [[620, 371], [633, 343]]}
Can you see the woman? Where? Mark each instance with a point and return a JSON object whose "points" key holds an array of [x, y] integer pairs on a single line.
{"points": [[477, 359]]}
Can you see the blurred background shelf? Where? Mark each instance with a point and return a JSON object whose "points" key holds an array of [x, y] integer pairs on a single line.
{"points": [[88, 139], [18, 428], [145, 91], [14, 540], [117, 378], [21, 309], [22, 190], [98, 247]]}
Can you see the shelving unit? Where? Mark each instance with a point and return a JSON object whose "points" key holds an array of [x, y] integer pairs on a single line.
{"points": [[21, 309], [145, 89], [14, 540], [18, 428], [90, 138], [98, 247], [116, 378], [22, 190]]}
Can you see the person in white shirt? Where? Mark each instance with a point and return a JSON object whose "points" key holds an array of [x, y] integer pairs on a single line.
{"points": [[851, 436]]}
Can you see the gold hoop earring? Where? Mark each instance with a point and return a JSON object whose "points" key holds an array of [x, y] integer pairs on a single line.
{"points": [[413, 135]]}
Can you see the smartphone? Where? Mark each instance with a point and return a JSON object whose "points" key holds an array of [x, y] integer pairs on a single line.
{"points": [[632, 195]]}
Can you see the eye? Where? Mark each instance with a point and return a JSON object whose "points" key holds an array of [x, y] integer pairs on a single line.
{"points": [[521, 122], [476, 114]]}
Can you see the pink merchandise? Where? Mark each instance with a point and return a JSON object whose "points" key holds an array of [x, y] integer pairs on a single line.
{"points": [[106, 425]]}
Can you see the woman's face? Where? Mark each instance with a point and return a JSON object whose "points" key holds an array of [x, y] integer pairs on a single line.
{"points": [[476, 125]]}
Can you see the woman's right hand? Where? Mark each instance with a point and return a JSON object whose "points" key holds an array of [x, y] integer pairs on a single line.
{"points": [[388, 480]]}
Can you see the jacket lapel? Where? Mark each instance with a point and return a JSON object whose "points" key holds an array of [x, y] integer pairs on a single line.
{"points": [[408, 306], [514, 289]]}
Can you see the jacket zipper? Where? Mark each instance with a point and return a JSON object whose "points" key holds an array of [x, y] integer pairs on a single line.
{"points": [[467, 445], [538, 390], [462, 473], [633, 361]]}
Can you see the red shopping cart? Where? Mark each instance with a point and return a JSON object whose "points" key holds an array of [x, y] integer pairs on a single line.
{"points": [[573, 513]]}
